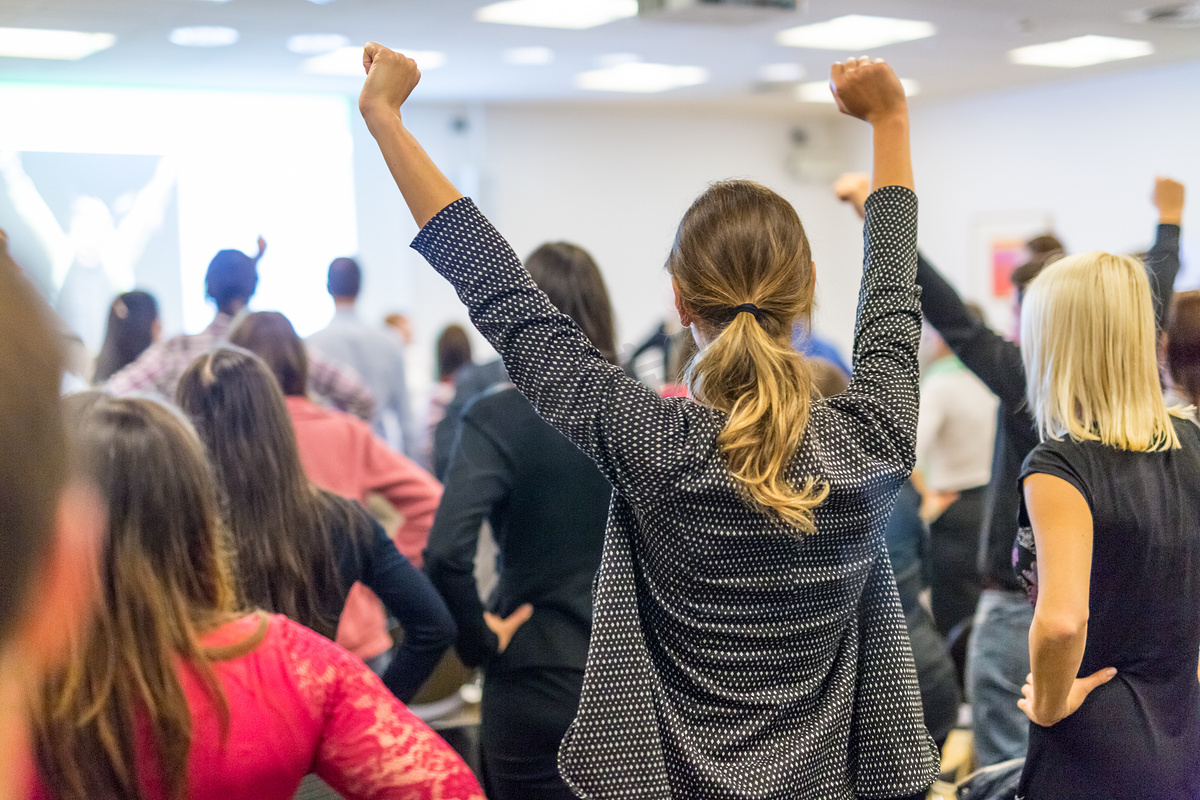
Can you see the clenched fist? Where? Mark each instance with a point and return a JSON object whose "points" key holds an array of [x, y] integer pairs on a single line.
{"points": [[867, 89], [391, 77], [1168, 199]]}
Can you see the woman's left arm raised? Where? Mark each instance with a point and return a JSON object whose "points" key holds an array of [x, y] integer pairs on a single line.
{"points": [[639, 440]]}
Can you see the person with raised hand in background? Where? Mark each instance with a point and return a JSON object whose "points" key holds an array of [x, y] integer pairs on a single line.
{"points": [[998, 656], [748, 637], [230, 282]]}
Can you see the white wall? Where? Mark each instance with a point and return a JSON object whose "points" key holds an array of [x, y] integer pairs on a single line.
{"points": [[1084, 152], [615, 180]]}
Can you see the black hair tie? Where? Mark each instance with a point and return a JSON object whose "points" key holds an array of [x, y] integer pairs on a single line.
{"points": [[748, 308]]}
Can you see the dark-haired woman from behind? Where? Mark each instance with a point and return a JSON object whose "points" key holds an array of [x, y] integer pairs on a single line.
{"points": [[343, 455], [300, 548], [547, 504], [177, 690], [133, 325]]}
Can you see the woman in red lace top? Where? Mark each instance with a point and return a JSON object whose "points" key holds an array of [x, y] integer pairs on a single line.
{"points": [[174, 692]]}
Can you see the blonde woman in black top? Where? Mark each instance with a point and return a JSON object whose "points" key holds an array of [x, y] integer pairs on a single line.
{"points": [[1108, 544], [748, 639]]}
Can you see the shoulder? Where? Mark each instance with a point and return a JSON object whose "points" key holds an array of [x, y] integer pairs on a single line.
{"points": [[333, 418], [1066, 459], [1188, 428], [315, 340], [498, 403], [316, 665]]}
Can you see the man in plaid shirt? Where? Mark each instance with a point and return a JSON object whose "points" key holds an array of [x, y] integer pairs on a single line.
{"points": [[231, 280]]}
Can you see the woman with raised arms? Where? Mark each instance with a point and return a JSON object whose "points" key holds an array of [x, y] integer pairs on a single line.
{"points": [[748, 639]]}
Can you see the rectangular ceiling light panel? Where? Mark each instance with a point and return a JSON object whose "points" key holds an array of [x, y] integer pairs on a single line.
{"points": [[570, 14], [641, 78], [60, 45], [1082, 51], [855, 33]]}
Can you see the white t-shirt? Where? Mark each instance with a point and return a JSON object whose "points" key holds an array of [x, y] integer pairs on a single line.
{"points": [[956, 428]]}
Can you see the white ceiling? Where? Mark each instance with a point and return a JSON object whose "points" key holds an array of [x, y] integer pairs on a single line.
{"points": [[968, 55]]}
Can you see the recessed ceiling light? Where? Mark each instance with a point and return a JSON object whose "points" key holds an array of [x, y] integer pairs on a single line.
{"points": [[639, 77], [855, 33], [348, 61], [204, 36], [781, 73], [311, 44], [572, 14], [528, 56], [818, 91], [617, 59], [61, 45], [1082, 51]]}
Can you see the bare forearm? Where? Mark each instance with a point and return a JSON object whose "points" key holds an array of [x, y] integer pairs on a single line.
{"points": [[893, 159], [426, 190], [1055, 658]]}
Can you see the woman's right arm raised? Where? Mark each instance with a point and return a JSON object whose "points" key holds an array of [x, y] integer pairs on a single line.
{"points": [[391, 77], [883, 391], [871, 91]]}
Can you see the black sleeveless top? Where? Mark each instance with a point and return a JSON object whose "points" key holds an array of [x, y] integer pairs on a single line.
{"points": [[1139, 734]]}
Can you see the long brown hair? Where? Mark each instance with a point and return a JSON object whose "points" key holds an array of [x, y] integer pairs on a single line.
{"points": [[271, 337], [740, 243], [130, 331], [164, 581], [570, 278], [282, 525], [453, 351]]}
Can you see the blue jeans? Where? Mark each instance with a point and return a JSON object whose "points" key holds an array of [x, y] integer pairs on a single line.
{"points": [[997, 663]]}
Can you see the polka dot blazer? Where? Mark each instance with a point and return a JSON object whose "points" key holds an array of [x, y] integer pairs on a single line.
{"points": [[730, 656]]}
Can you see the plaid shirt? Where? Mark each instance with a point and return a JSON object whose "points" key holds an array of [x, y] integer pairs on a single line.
{"points": [[157, 371]]}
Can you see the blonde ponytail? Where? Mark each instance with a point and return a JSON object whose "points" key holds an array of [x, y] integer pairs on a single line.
{"points": [[741, 251], [765, 386]]}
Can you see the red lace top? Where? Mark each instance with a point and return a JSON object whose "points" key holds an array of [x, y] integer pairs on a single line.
{"points": [[299, 704]]}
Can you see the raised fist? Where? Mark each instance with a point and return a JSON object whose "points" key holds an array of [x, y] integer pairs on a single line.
{"points": [[391, 77], [867, 89], [1168, 199], [853, 188]]}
